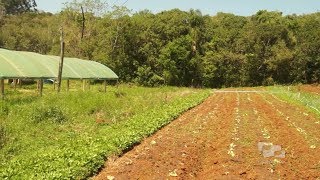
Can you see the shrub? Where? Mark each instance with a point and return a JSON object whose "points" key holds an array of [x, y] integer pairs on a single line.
{"points": [[51, 113]]}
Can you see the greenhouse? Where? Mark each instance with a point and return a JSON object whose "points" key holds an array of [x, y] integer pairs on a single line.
{"points": [[28, 65]]}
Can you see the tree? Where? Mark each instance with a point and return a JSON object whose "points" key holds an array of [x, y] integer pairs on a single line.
{"points": [[177, 64], [224, 69], [307, 61], [176, 47], [18, 6], [35, 32]]}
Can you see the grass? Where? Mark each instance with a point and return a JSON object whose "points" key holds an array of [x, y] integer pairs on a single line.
{"points": [[70, 135], [309, 100]]}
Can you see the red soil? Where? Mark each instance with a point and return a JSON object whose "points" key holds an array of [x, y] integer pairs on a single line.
{"points": [[314, 89], [196, 145]]}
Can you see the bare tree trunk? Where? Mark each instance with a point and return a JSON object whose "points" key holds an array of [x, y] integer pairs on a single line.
{"points": [[61, 61], [83, 23]]}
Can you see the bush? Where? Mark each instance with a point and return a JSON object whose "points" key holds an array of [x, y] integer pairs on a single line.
{"points": [[51, 113], [146, 77], [268, 82]]}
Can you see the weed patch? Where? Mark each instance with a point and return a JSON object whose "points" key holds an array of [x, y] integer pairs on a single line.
{"points": [[48, 113]]}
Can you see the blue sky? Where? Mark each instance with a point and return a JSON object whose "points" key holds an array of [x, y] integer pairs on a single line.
{"points": [[240, 7]]}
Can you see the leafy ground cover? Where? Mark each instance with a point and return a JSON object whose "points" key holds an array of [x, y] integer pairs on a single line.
{"points": [[70, 135]]}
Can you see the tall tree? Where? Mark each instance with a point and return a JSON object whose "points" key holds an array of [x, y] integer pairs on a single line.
{"points": [[176, 47], [18, 6]]}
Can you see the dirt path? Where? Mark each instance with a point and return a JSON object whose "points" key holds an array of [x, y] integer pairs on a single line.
{"points": [[219, 140]]}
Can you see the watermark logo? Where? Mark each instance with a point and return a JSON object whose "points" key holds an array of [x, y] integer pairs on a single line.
{"points": [[271, 150]]}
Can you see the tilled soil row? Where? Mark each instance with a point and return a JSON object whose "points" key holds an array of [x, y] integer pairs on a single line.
{"points": [[219, 140], [301, 160], [314, 89]]}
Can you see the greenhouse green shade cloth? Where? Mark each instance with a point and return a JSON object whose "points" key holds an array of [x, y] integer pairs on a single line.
{"points": [[19, 64]]}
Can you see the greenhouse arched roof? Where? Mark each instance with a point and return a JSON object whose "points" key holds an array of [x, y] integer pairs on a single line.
{"points": [[20, 64]]}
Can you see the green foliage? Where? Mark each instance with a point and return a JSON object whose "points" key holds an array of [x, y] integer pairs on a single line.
{"points": [[224, 69], [32, 35], [18, 6], [48, 113], [176, 47], [146, 77], [294, 95], [95, 126]]}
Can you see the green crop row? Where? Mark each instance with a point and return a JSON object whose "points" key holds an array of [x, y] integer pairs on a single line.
{"points": [[69, 136]]}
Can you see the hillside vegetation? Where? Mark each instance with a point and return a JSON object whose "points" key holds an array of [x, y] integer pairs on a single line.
{"points": [[176, 47]]}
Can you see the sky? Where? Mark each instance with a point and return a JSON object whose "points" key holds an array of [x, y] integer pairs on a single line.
{"points": [[211, 7]]}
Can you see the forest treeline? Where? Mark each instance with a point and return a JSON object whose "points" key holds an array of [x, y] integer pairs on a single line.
{"points": [[176, 47]]}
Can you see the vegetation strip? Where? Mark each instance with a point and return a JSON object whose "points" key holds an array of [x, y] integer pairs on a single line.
{"points": [[174, 47], [73, 153]]}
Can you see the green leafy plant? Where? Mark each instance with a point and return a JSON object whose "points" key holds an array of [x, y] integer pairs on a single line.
{"points": [[48, 113], [70, 135]]}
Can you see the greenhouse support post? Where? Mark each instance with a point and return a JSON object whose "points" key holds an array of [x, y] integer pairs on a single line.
{"points": [[105, 85], [20, 83], [83, 84], [68, 85], [15, 84], [2, 88], [40, 87]]}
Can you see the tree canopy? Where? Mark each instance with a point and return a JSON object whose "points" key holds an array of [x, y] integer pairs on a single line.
{"points": [[17, 6], [181, 48]]}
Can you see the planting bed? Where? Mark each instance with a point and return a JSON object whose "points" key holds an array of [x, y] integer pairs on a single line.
{"points": [[314, 89], [219, 139]]}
